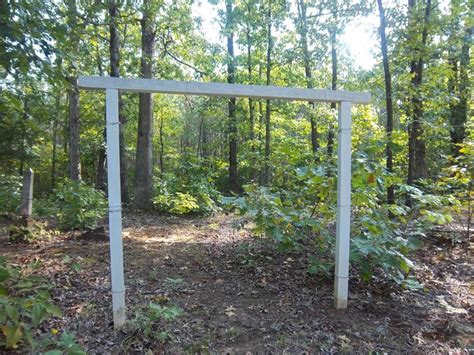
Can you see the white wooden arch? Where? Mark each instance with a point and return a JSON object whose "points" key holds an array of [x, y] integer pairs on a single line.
{"points": [[112, 86]]}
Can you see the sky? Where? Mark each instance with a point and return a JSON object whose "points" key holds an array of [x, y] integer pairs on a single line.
{"points": [[359, 36]]}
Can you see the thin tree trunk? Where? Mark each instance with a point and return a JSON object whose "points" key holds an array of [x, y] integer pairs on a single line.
{"points": [[73, 95], [303, 31], [162, 145], [417, 168], [233, 179], [388, 100], [23, 135], [74, 155], [114, 49], [249, 71], [100, 182], [460, 109], [144, 159], [254, 172], [330, 143], [55, 134], [205, 152], [260, 104], [268, 111]]}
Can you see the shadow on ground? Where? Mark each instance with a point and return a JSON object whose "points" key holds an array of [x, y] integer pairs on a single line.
{"points": [[239, 294]]}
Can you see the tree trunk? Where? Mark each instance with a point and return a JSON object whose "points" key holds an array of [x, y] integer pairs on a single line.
{"points": [[303, 31], [162, 145], [388, 100], [459, 87], [417, 168], [249, 71], [24, 125], [233, 179], [268, 111], [54, 139], [144, 158], [260, 105], [114, 49], [74, 155], [100, 181], [330, 144], [73, 97], [254, 171]]}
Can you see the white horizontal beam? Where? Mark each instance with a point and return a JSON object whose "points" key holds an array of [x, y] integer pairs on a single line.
{"points": [[221, 89]]}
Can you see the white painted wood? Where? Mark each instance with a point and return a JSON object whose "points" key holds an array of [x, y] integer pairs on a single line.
{"points": [[221, 89], [113, 85], [343, 218], [115, 207], [26, 205]]}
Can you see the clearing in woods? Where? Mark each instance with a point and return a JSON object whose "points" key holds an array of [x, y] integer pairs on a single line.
{"points": [[238, 293]]}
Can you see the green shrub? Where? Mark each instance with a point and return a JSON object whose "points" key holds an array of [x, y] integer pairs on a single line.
{"points": [[382, 236], [37, 232], [192, 191], [78, 205], [10, 193], [25, 303], [148, 324]]}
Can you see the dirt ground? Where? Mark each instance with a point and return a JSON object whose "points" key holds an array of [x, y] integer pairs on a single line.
{"points": [[238, 294]]}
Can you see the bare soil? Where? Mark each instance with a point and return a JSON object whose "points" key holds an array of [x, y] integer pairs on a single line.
{"points": [[239, 294]]}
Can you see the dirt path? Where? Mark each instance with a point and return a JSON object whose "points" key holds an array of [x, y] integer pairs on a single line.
{"points": [[239, 294]]}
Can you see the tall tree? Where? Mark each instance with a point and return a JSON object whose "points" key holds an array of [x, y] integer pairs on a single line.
{"points": [[73, 94], [248, 36], [388, 99], [229, 27], [302, 27], [417, 168], [458, 84], [114, 52], [268, 112], [144, 158]]}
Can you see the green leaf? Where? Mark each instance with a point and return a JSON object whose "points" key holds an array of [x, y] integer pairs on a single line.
{"points": [[3, 290], [13, 334], [4, 274], [12, 313], [38, 314], [54, 352], [54, 310]]}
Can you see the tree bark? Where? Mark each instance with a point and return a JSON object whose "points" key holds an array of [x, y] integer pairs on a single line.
{"points": [[459, 87], [249, 71], [268, 111], [73, 97], [74, 155], [162, 146], [54, 139], [330, 143], [417, 168], [388, 100], [303, 31], [144, 158], [100, 180], [233, 178], [114, 51]]}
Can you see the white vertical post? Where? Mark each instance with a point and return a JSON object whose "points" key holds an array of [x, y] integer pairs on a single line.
{"points": [[26, 206], [115, 207], [343, 219]]}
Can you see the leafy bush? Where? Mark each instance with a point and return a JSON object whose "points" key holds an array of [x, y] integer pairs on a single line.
{"points": [[192, 191], [382, 236], [37, 232], [10, 193], [148, 323], [78, 205], [25, 303]]}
